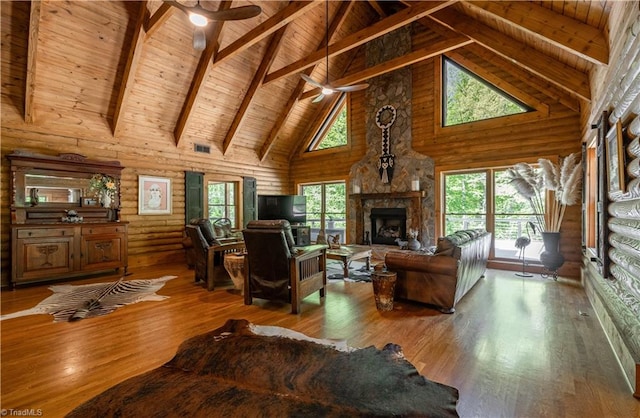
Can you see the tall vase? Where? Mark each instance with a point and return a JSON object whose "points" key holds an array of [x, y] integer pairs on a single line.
{"points": [[106, 200], [551, 258]]}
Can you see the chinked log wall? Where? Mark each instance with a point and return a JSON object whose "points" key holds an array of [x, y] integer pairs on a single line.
{"points": [[616, 298], [489, 143]]}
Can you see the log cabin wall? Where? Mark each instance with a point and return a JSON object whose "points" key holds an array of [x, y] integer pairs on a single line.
{"points": [[550, 132], [144, 142], [614, 291]]}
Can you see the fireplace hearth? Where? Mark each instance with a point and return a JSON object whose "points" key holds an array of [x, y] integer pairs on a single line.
{"points": [[388, 224]]}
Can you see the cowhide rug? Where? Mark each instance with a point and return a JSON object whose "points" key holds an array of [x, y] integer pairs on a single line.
{"points": [[68, 299], [242, 370]]}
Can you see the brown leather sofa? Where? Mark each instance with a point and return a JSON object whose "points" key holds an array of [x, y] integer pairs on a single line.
{"points": [[441, 279]]}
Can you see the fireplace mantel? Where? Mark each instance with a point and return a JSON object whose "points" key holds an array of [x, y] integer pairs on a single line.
{"points": [[396, 195], [415, 203]]}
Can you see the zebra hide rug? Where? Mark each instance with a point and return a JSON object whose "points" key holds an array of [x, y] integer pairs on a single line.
{"points": [[246, 370], [68, 299]]}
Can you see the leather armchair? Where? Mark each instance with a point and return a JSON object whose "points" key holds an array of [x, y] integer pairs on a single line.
{"points": [[208, 256], [277, 270], [214, 236]]}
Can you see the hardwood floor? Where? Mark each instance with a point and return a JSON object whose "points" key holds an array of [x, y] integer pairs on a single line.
{"points": [[515, 347]]}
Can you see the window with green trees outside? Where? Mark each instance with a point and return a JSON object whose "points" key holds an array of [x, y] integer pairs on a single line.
{"points": [[328, 199], [221, 200], [468, 98], [484, 199], [333, 131]]}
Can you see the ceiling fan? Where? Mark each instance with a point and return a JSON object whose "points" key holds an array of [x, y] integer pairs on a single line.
{"points": [[326, 88], [200, 17]]}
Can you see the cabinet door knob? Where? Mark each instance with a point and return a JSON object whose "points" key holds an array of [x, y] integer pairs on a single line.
{"points": [[29, 233]]}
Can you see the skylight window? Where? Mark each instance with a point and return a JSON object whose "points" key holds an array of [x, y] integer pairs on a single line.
{"points": [[468, 98]]}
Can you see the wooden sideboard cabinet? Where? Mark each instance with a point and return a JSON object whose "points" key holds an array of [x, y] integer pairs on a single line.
{"points": [[47, 252], [62, 223]]}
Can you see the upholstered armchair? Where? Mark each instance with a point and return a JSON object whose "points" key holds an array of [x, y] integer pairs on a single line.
{"points": [[277, 270], [208, 254]]}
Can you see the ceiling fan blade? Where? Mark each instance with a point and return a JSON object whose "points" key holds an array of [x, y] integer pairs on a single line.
{"points": [[318, 98], [236, 13], [199, 38], [311, 80], [355, 87]]}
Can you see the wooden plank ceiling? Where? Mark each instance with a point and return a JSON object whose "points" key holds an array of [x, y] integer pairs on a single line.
{"points": [[133, 64]]}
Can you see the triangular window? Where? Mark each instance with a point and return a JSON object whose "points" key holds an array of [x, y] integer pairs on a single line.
{"points": [[333, 132], [468, 98]]}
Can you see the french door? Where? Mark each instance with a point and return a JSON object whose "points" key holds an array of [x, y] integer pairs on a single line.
{"points": [[328, 201]]}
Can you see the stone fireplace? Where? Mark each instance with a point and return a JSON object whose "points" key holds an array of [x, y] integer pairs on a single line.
{"points": [[409, 167]]}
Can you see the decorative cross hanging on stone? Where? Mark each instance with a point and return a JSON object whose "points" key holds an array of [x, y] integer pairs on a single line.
{"points": [[384, 119]]}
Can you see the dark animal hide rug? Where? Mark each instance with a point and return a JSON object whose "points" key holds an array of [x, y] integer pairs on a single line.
{"points": [[242, 370]]}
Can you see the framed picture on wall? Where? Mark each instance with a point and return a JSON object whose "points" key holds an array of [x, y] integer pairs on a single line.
{"points": [[615, 159], [154, 195]]}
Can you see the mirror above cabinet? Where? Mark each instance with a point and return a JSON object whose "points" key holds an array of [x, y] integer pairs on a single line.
{"points": [[44, 189]]}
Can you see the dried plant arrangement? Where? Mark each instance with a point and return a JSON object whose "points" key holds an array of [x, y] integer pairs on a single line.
{"points": [[564, 180]]}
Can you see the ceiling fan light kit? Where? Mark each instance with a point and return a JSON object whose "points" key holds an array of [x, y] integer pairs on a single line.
{"points": [[200, 17]]}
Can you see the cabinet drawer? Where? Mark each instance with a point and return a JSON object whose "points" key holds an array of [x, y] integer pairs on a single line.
{"points": [[103, 229], [43, 233]]}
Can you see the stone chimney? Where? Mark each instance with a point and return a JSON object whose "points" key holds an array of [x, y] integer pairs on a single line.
{"points": [[392, 89]]}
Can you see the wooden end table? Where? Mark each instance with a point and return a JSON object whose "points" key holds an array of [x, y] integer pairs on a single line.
{"points": [[346, 253]]}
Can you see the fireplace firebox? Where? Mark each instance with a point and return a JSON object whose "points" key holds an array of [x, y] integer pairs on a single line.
{"points": [[388, 224]]}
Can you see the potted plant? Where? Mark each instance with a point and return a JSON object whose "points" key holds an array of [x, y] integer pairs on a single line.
{"points": [[564, 180]]}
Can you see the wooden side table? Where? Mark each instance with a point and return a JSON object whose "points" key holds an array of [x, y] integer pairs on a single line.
{"points": [[234, 264], [384, 285]]}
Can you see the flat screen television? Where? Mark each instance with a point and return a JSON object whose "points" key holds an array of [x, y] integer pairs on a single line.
{"points": [[290, 207]]}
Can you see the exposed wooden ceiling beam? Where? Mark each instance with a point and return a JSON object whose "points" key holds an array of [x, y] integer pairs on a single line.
{"points": [[397, 20], [569, 34], [267, 60], [202, 70], [376, 6], [164, 12], [268, 27], [552, 70], [282, 18], [129, 71], [421, 54], [336, 23], [32, 51]]}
